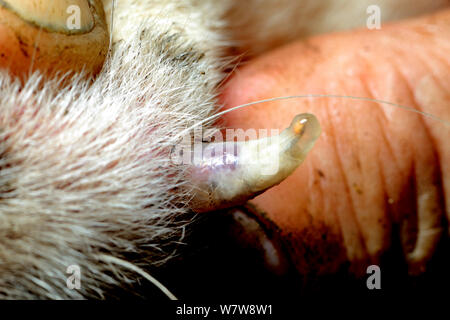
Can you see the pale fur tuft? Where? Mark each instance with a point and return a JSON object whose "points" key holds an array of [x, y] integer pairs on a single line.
{"points": [[85, 170]]}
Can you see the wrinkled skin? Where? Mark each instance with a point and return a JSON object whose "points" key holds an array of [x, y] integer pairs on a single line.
{"points": [[336, 207], [377, 173], [341, 205]]}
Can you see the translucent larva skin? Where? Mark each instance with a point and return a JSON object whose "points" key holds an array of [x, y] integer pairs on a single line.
{"points": [[231, 173]]}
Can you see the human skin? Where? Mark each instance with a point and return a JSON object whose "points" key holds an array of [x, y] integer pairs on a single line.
{"points": [[56, 172], [377, 171], [31, 40]]}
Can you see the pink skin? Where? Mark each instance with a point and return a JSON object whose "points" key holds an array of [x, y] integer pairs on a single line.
{"points": [[374, 166]]}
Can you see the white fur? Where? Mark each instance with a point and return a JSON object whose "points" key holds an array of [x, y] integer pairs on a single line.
{"points": [[85, 170]]}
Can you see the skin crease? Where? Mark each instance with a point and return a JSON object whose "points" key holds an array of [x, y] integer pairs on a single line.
{"points": [[97, 166], [375, 169]]}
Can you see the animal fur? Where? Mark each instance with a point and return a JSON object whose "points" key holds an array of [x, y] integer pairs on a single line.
{"points": [[85, 172]]}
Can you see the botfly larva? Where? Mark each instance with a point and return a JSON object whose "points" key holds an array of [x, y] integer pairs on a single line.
{"points": [[85, 177], [230, 173]]}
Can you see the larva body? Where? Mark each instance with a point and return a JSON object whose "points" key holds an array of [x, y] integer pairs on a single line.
{"points": [[229, 173], [86, 177]]}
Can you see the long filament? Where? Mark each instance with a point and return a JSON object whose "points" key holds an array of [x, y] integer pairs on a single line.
{"points": [[407, 108]]}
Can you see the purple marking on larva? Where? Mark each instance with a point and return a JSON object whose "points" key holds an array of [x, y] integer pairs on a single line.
{"points": [[230, 173], [218, 157]]}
